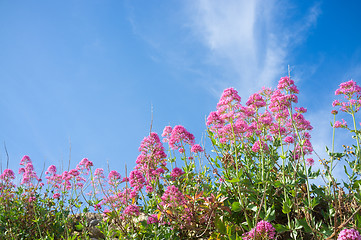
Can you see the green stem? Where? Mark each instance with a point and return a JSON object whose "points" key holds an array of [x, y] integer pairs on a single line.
{"points": [[358, 143]]}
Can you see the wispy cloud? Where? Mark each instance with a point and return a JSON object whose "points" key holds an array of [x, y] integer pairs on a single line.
{"points": [[249, 39]]}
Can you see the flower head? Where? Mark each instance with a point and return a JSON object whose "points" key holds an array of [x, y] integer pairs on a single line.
{"points": [[263, 230], [176, 172], [349, 234], [196, 148]]}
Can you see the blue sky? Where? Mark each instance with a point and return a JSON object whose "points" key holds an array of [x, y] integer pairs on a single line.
{"points": [[91, 73]]}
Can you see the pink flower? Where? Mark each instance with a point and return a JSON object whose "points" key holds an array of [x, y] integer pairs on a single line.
{"points": [[352, 94], [229, 95], [180, 136], [287, 84], [348, 88], [56, 195], [196, 148], [149, 189], [176, 172], [151, 158], [152, 219], [51, 169], [99, 173], [84, 164], [132, 210], [263, 230], [258, 145], [7, 175], [74, 172], [97, 207], [166, 133], [334, 112], [301, 110], [310, 161], [113, 177], [338, 124], [256, 100], [136, 179], [288, 139], [172, 197], [28, 171], [125, 179], [349, 234], [25, 160]]}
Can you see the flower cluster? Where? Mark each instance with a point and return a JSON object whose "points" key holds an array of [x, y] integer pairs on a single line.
{"points": [[178, 137], [172, 197], [266, 116], [132, 210], [152, 159], [136, 180], [352, 95], [68, 179], [152, 219], [114, 178], [7, 176], [263, 230], [349, 234], [28, 171], [176, 172]]}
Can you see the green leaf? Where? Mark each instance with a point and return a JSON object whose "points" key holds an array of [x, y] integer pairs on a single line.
{"points": [[220, 225], [79, 227], [280, 228], [270, 214], [236, 207], [304, 224], [277, 184], [252, 207], [287, 205], [233, 180]]}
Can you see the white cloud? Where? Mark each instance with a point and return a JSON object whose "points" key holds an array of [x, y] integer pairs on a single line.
{"points": [[250, 40]]}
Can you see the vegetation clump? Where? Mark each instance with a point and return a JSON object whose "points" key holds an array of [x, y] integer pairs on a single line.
{"points": [[255, 184]]}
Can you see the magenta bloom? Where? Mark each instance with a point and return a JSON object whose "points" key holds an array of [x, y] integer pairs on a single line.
{"points": [[132, 210], [176, 172], [180, 136], [136, 179], [263, 230], [338, 124], [172, 197], [152, 157], [51, 170], [349, 234], [166, 133], [256, 100], [310, 161], [352, 94], [259, 144], [152, 219], [196, 148], [99, 173], [348, 88], [28, 171], [289, 139], [25, 160], [56, 195], [7, 175], [84, 164]]}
